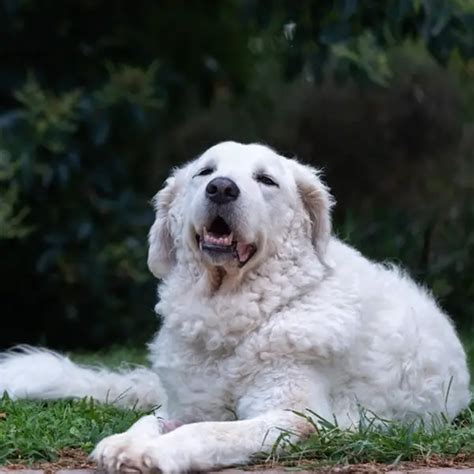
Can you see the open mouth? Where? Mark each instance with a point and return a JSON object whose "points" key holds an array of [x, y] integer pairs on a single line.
{"points": [[219, 239]]}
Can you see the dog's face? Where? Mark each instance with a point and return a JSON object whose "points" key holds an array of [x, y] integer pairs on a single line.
{"points": [[234, 205], [238, 197]]}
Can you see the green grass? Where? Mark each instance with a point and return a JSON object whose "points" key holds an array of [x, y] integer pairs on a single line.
{"points": [[33, 431], [113, 357], [388, 443]]}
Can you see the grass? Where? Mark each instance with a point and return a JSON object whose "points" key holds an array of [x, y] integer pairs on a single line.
{"points": [[32, 432], [113, 357], [387, 443]]}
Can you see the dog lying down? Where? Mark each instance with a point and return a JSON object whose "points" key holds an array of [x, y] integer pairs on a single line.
{"points": [[265, 313]]}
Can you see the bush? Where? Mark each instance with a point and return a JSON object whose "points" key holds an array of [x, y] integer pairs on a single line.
{"points": [[75, 222]]}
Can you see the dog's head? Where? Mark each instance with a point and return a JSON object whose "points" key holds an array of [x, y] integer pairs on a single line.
{"points": [[234, 206]]}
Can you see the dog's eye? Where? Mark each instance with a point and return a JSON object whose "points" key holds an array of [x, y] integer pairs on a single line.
{"points": [[205, 172], [266, 180]]}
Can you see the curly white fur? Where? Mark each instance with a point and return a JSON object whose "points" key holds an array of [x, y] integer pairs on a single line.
{"points": [[306, 323]]}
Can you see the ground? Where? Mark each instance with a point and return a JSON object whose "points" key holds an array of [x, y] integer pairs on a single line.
{"points": [[57, 435]]}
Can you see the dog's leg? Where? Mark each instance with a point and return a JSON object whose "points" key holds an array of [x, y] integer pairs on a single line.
{"points": [[209, 445], [197, 446]]}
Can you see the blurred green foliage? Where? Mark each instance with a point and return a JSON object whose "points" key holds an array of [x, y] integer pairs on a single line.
{"points": [[99, 99], [74, 227]]}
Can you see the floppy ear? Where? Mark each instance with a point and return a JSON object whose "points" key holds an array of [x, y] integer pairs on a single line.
{"points": [[318, 203], [161, 252]]}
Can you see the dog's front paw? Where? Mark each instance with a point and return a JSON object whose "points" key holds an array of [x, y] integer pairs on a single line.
{"points": [[106, 453], [127, 452], [118, 453]]}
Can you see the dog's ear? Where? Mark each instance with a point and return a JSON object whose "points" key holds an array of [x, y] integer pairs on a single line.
{"points": [[161, 252], [318, 202]]}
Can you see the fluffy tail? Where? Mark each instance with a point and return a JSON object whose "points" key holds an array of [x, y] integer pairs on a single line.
{"points": [[27, 372]]}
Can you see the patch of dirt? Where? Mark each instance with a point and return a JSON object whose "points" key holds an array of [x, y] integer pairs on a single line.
{"points": [[77, 459], [460, 461], [68, 458]]}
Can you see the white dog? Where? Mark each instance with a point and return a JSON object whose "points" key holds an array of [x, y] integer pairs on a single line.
{"points": [[265, 313]]}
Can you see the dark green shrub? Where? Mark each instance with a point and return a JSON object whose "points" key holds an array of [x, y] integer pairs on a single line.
{"points": [[75, 223]]}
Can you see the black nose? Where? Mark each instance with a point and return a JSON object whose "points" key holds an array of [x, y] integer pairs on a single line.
{"points": [[222, 190]]}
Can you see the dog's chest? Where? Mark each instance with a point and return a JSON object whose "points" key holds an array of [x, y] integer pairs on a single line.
{"points": [[200, 384], [208, 351], [196, 386]]}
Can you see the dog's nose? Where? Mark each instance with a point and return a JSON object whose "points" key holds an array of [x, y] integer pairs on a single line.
{"points": [[222, 190]]}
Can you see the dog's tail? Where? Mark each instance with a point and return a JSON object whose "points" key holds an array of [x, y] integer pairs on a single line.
{"points": [[27, 372]]}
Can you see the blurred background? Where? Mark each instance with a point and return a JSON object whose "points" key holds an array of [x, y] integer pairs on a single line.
{"points": [[99, 99]]}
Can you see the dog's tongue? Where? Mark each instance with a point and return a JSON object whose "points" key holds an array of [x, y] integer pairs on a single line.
{"points": [[243, 251]]}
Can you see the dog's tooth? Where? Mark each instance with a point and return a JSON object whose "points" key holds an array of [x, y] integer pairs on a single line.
{"points": [[211, 238]]}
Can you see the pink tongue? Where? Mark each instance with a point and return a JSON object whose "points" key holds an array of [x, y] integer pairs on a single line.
{"points": [[243, 251]]}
